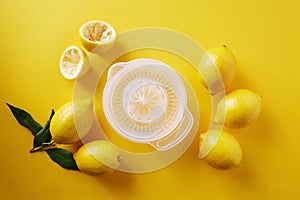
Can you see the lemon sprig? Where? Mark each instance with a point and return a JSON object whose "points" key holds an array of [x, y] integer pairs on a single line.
{"points": [[42, 138]]}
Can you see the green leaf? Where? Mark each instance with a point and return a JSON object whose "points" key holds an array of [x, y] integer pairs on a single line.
{"points": [[42, 138], [43, 135], [25, 119], [62, 157]]}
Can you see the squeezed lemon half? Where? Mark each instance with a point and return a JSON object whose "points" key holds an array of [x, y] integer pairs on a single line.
{"points": [[97, 34], [71, 62]]}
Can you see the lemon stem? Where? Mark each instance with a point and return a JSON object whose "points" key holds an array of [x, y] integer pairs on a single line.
{"points": [[44, 145], [120, 158]]}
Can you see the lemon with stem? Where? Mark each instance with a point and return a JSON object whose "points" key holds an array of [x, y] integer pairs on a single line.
{"points": [[98, 157], [63, 128]]}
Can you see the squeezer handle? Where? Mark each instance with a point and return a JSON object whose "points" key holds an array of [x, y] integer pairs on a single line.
{"points": [[177, 135], [114, 70]]}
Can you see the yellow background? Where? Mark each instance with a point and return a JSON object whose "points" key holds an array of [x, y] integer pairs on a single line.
{"points": [[264, 35]]}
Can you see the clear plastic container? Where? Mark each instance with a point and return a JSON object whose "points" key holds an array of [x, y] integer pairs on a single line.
{"points": [[144, 100]]}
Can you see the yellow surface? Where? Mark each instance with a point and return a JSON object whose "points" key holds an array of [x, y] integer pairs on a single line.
{"points": [[264, 35]]}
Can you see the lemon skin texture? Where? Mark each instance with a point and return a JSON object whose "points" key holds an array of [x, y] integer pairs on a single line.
{"points": [[226, 154], [218, 69], [238, 109], [90, 158], [62, 126]]}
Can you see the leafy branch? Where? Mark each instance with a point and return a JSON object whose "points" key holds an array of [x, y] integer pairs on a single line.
{"points": [[42, 140]]}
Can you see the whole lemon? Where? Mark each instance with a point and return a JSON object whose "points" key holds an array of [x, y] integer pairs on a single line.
{"points": [[98, 157], [226, 153], [217, 68], [63, 128], [238, 109]]}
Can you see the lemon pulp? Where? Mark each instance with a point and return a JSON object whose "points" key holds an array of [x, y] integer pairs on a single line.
{"points": [[71, 62], [97, 34]]}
